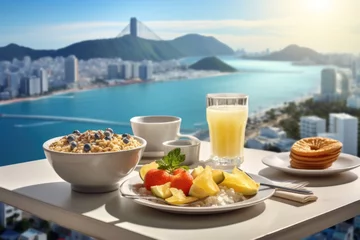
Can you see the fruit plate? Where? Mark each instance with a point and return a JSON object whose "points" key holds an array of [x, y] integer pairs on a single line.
{"points": [[281, 161], [263, 194]]}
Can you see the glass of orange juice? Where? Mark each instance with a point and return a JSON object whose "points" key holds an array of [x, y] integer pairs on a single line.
{"points": [[227, 115]]}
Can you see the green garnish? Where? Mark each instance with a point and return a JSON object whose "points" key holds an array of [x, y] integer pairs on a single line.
{"points": [[172, 161]]}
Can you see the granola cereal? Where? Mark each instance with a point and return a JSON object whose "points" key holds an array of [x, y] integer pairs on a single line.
{"points": [[95, 141]]}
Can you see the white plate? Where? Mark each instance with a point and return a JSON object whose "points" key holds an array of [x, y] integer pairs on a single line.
{"points": [[281, 161], [263, 194], [153, 154]]}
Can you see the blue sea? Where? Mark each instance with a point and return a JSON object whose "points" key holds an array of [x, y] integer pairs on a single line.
{"points": [[267, 84]]}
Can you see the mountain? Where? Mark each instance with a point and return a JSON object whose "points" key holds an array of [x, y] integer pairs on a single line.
{"points": [[127, 48], [212, 63], [15, 51], [293, 53], [198, 45]]}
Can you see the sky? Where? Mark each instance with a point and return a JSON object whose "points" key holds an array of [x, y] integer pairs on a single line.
{"points": [[255, 25]]}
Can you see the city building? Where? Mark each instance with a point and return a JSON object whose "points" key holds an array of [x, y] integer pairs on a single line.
{"points": [[332, 85], [272, 132], [135, 70], [33, 234], [30, 86], [345, 127], [270, 137], [71, 69], [126, 72], [146, 71], [44, 83], [345, 85], [311, 126], [354, 69], [328, 81], [26, 63], [5, 95], [12, 84], [9, 215], [113, 71], [353, 101]]}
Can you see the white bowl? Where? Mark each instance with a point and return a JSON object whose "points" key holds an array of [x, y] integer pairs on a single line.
{"points": [[94, 172]]}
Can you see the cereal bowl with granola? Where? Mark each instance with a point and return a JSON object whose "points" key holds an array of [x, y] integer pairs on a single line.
{"points": [[96, 160]]}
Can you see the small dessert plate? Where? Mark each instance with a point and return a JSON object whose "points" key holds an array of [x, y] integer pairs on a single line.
{"points": [[281, 162]]}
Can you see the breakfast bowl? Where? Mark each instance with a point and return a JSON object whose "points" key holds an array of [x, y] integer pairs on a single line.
{"points": [[93, 172]]}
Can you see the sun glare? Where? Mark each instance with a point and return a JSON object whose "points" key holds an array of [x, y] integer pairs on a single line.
{"points": [[320, 6]]}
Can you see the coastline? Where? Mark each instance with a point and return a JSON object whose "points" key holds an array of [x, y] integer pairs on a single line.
{"points": [[66, 91], [259, 114], [95, 87]]}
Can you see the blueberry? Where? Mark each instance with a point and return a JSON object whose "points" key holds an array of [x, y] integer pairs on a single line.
{"points": [[125, 135], [125, 140], [87, 147], [108, 138], [71, 138], [97, 136], [110, 130], [107, 133], [77, 132], [73, 144]]}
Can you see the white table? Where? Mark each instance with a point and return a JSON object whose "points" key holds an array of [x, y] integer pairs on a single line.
{"points": [[34, 187]]}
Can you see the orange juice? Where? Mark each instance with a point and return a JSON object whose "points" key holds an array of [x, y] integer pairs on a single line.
{"points": [[227, 126]]}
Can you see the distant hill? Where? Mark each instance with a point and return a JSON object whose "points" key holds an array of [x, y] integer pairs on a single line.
{"points": [[198, 45], [293, 53], [212, 63], [15, 51], [127, 48]]}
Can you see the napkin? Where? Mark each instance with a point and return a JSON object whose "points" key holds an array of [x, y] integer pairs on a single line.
{"points": [[297, 197]]}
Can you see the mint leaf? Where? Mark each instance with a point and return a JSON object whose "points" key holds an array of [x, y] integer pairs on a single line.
{"points": [[177, 151], [172, 161]]}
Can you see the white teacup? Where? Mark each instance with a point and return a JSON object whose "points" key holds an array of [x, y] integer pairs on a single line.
{"points": [[190, 148], [156, 130]]}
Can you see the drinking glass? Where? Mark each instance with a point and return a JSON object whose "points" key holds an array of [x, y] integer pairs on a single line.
{"points": [[227, 115]]}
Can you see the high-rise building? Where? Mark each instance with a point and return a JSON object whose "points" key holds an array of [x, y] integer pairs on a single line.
{"points": [[42, 74], [345, 85], [135, 70], [345, 127], [133, 27], [27, 62], [354, 69], [113, 71], [71, 69], [311, 126], [126, 72], [2, 79], [146, 70], [8, 212], [328, 81], [30, 86]]}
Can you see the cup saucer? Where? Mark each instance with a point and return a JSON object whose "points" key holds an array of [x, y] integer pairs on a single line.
{"points": [[159, 154]]}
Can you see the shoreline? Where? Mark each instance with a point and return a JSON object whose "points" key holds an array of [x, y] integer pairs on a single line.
{"points": [[95, 87], [259, 114], [66, 91]]}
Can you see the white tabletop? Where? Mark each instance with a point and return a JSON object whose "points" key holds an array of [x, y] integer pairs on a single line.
{"points": [[34, 187]]}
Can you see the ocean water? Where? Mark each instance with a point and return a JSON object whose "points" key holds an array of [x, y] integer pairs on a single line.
{"points": [[267, 84]]}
